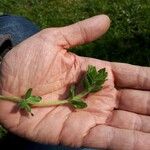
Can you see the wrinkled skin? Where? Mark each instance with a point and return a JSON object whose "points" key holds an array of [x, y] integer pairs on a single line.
{"points": [[117, 117]]}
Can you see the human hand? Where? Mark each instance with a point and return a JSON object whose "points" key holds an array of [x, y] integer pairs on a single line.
{"points": [[42, 62]]}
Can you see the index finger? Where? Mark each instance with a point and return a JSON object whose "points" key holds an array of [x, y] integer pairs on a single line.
{"points": [[131, 76]]}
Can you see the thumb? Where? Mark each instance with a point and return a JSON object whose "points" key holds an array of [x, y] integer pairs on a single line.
{"points": [[85, 31]]}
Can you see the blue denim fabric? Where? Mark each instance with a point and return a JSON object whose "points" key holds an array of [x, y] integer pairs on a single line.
{"points": [[20, 28]]}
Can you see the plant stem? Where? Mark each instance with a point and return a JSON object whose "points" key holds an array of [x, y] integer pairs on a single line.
{"points": [[50, 103], [40, 104], [10, 98], [44, 103]]}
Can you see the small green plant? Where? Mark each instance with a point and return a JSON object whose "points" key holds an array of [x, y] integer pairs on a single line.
{"points": [[92, 82]]}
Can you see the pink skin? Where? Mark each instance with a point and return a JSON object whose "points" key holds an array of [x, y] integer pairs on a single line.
{"points": [[117, 117]]}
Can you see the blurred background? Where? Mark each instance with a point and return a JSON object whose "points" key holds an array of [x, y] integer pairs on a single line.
{"points": [[128, 39]]}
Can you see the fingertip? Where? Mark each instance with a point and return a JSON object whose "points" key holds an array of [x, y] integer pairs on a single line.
{"points": [[106, 17], [105, 22], [86, 30]]}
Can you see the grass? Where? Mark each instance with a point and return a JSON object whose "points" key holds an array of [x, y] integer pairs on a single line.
{"points": [[128, 39]]}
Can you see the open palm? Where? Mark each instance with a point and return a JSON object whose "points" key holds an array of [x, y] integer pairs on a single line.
{"points": [[43, 63]]}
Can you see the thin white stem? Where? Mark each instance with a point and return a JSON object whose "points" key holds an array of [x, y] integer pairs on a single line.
{"points": [[10, 98], [43, 103], [46, 103]]}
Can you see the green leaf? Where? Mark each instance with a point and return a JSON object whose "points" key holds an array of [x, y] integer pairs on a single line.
{"points": [[33, 99], [102, 74], [3, 131], [24, 105], [28, 101], [92, 71], [72, 91], [28, 93], [79, 104], [94, 79], [86, 84], [27, 108]]}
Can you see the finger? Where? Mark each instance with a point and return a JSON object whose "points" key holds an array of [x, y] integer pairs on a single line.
{"points": [[134, 100], [130, 76], [116, 139], [86, 30], [129, 120]]}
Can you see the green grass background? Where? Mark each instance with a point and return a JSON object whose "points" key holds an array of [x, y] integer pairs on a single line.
{"points": [[128, 39]]}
